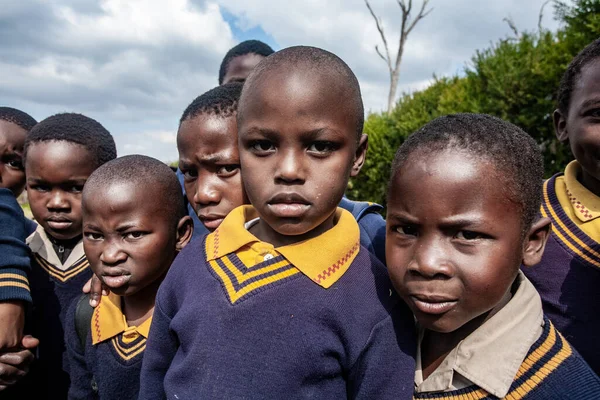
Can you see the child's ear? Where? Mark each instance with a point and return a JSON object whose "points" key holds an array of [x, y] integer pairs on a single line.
{"points": [[360, 155], [560, 126], [185, 229], [537, 236]]}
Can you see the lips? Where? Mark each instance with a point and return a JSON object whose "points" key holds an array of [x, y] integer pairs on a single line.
{"points": [[59, 223], [433, 304], [288, 205], [115, 278], [211, 221]]}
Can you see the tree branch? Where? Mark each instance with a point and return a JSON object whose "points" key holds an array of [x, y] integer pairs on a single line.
{"points": [[387, 59], [422, 14], [541, 16]]}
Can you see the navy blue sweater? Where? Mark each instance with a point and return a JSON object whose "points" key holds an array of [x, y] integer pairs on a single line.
{"points": [[14, 253], [288, 339], [113, 365], [52, 294]]}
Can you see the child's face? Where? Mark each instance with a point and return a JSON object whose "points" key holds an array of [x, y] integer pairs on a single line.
{"points": [[240, 67], [56, 173], [454, 242], [209, 160], [129, 239], [12, 173], [298, 147], [581, 128]]}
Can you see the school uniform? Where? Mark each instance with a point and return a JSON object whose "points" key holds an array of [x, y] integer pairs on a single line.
{"points": [[237, 318], [54, 285], [568, 277], [109, 366], [516, 354], [14, 253]]}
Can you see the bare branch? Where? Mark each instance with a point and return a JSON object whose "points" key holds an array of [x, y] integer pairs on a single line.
{"points": [[403, 7], [541, 15], [381, 55], [422, 14], [512, 26], [382, 34]]}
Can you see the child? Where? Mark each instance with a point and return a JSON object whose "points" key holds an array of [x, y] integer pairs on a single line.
{"points": [[463, 200], [280, 299], [208, 157], [14, 125], [60, 154], [568, 278], [134, 223], [241, 59]]}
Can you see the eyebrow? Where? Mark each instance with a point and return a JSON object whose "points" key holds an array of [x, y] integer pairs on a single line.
{"points": [[310, 134], [594, 101], [68, 181]]}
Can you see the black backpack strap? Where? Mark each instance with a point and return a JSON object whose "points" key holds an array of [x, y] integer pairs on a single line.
{"points": [[83, 319], [83, 326]]}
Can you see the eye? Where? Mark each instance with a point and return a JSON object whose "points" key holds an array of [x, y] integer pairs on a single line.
{"points": [[92, 236], [469, 235], [262, 147], [40, 187], [76, 189], [134, 235], [322, 147], [189, 174], [408, 230], [227, 170], [16, 164]]}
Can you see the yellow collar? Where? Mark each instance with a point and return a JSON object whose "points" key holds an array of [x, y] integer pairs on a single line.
{"points": [[324, 259], [108, 320], [586, 205]]}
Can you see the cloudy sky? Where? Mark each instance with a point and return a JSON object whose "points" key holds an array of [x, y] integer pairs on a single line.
{"points": [[134, 65]]}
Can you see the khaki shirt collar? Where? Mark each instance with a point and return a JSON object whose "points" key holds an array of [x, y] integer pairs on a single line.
{"points": [[491, 356], [40, 244]]}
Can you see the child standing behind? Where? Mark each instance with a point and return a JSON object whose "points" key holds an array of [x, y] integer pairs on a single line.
{"points": [[568, 278], [281, 300], [462, 208], [134, 224], [60, 154]]}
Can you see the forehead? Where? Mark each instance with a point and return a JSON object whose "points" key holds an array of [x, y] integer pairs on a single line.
{"points": [[59, 160], [449, 182], [288, 96], [240, 67], [207, 135], [587, 86], [125, 198], [11, 135]]}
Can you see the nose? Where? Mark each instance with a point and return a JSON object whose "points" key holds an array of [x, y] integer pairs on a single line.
{"points": [[431, 260], [290, 168], [58, 200], [206, 192], [112, 253]]}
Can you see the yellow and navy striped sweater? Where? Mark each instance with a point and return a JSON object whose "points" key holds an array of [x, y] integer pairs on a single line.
{"points": [[551, 370]]}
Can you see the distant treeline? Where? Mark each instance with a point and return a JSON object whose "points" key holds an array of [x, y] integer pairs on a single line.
{"points": [[515, 79]]}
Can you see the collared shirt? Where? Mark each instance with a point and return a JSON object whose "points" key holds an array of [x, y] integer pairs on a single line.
{"points": [[490, 357], [324, 259], [581, 205], [43, 252], [109, 321]]}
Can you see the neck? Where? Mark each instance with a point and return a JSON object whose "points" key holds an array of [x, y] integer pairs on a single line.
{"points": [[139, 306], [589, 182], [267, 234], [436, 346]]}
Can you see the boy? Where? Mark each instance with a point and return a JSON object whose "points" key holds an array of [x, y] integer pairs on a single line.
{"points": [[280, 299], [241, 59], [568, 278], [134, 223], [60, 154], [463, 200]]}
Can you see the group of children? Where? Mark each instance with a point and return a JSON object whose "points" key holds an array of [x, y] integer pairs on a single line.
{"points": [[283, 290]]}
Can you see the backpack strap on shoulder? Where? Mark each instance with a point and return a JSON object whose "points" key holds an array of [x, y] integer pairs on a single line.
{"points": [[83, 319]]}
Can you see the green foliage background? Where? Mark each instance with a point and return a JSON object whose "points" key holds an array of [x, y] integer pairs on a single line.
{"points": [[515, 79]]}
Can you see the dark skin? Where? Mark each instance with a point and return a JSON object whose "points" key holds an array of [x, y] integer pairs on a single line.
{"points": [[448, 257], [298, 147], [56, 173], [131, 242], [12, 172], [240, 67], [580, 128], [209, 160]]}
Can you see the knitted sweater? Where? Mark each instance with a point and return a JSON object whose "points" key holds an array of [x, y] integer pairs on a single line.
{"points": [[568, 280], [552, 370], [52, 291], [268, 332], [14, 253]]}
